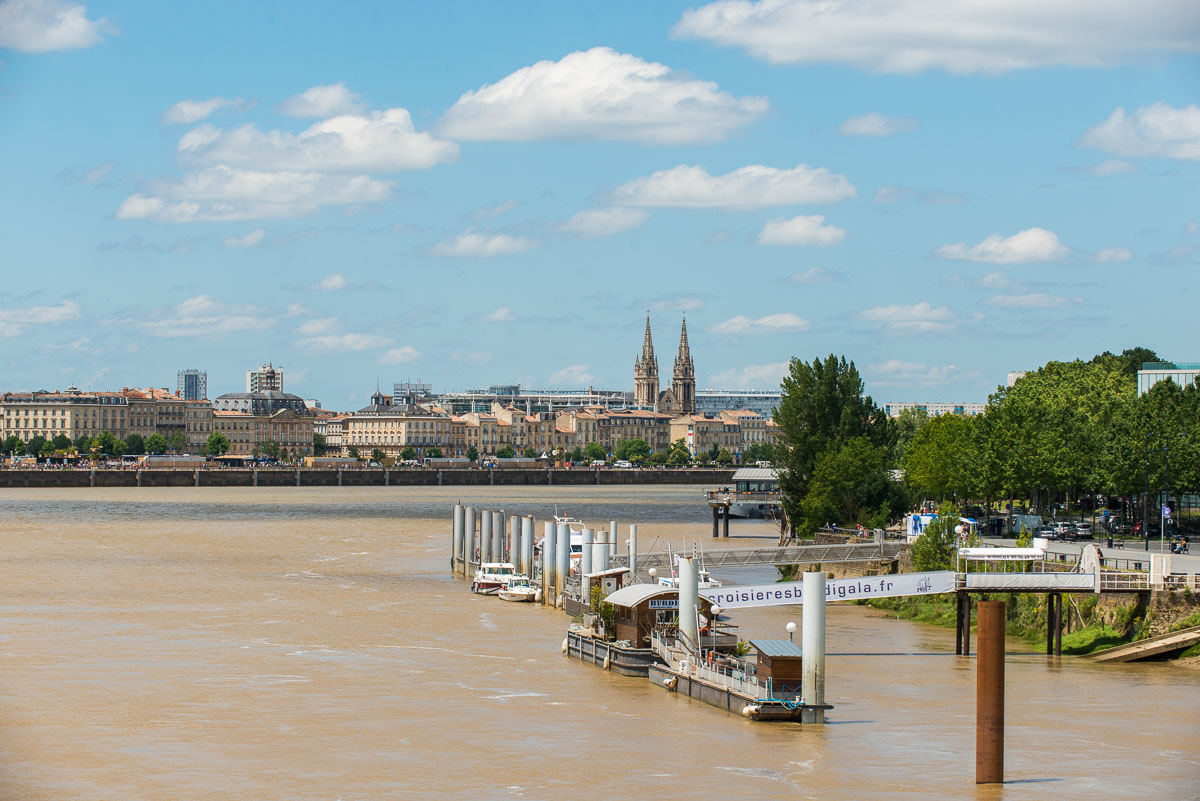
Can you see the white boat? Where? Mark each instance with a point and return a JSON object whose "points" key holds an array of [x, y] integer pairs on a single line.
{"points": [[491, 577], [706, 580], [518, 588]]}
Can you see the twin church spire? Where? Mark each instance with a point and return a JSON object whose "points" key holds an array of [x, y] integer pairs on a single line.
{"points": [[681, 397]]}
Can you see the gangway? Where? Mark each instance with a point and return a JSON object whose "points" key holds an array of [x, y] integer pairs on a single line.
{"points": [[789, 555], [1144, 649]]}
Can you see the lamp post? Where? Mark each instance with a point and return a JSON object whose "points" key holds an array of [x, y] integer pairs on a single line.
{"points": [[791, 630]]}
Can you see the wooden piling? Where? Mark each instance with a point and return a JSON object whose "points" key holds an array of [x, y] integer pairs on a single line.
{"points": [[989, 695]]}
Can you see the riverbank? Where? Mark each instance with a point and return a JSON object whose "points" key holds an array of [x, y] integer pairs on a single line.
{"points": [[1094, 622]]}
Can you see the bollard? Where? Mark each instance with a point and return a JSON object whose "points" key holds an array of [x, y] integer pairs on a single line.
{"points": [[600, 561], [562, 559], [468, 539], [456, 552], [527, 546], [498, 537], [549, 563], [689, 599], [989, 695], [632, 551], [812, 645], [585, 561], [612, 540], [514, 542], [485, 537]]}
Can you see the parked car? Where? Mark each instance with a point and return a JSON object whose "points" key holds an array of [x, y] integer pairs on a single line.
{"points": [[598, 463], [623, 463], [1083, 531], [1046, 533]]}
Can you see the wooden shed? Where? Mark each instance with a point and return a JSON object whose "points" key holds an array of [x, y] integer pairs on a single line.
{"points": [[641, 607], [779, 661]]}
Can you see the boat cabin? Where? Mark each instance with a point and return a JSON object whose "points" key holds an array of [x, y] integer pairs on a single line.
{"points": [[640, 608], [779, 661]]}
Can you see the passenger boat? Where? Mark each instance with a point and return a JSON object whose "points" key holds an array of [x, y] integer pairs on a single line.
{"points": [[518, 588], [491, 577]]}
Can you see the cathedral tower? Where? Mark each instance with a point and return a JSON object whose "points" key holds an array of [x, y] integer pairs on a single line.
{"points": [[683, 379], [645, 373]]}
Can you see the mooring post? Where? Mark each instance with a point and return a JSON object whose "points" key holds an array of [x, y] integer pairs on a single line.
{"points": [[456, 526], [339, 476], [1058, 623], [527, 545], [606, 551], [689, 599], [725, 521], [958, 623], [92, 478], [989, 695], [812, 646], [632, 551], [549, 562], [612, 540], [514, 542], [468, 539], [716, 521], [498, 537], [1050, 624], [585, 559], [256, 476], [139, 477], [562, 558], [485, 537], [387, 478], [196, 478], [297, 476]]}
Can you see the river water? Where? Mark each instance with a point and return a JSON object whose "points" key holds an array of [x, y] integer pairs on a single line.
{"points": [[311, 644]]}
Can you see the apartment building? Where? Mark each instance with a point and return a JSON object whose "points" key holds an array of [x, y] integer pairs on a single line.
{"points": [[71, 412], [248, 433]]}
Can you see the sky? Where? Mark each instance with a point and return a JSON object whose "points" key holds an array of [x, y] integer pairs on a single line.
{"points": [[470, 194]]}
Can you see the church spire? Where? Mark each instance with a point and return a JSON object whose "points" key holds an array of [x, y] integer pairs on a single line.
{"points": [[645, 372], [683, 379], [648, 346], [683, 359]]}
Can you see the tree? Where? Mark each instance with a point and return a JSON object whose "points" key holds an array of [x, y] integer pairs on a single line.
{"points": [[724, 457], [120, 448], [850, 485], [271, 450], [12, 445], [62, 443], [377, 455], [472, 453], [530, 453], [408, 453], [759, 452], [905, 427], [577, 454], [714, 452], [352, 452], [217, 444], [935, 548], [505, 452], [659, 457], [595, 452], [106, 443], [135, 445], [83, 444], [47, 448], [319, 444], [177, 442], [155, 443], [678, 453], [433, 453], [632, 450]]}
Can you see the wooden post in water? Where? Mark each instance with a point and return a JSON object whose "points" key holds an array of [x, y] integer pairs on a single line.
{"points": [[989, 695]]}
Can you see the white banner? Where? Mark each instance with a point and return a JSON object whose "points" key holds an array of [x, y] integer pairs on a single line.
{"points": [[791, 592]]}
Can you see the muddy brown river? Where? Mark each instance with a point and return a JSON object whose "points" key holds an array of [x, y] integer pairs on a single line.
{"points": [[312, 644]]}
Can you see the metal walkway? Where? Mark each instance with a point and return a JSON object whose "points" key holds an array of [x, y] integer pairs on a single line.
{"points": [[790, 555], [1143, 649]]}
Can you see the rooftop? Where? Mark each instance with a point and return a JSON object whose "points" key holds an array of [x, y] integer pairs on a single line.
{"points": [[775, 648]]}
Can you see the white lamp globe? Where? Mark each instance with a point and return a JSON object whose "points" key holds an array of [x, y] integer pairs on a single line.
{"points": [[653, 572], [791, 627], [958, 529], [716, 610]]}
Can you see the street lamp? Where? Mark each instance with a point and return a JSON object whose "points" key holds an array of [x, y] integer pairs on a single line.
{"points": [[791, 629]]}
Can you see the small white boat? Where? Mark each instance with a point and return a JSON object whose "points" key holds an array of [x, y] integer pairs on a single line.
{"points": [[705, 582], [491, 577], [519, 588]]}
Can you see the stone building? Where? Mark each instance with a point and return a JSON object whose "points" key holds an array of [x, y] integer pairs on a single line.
{"points": [[72, 412], [158, 411], [248, 433], [680, 397]]}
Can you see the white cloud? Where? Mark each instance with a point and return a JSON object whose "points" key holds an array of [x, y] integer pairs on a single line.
{"points": [[322, 325], [492, 212], [296, 310], [39, 26], [252, 239], [323, 101], [1111, 167], [596, 223], [911, 36], [895, 371], [1038, 300], [343, 342], [801, 230], [185, 112], [918, 318], [997, 279], [331, 283], [932, 197], [202, 316], [572, 376], [500, 315], [401, 355], [382, 141], [812, 277], [225, 194], [1157, 130], [752, 187], [483, 246], [599, 94], [752, 376], [782, 323], [14, 322], [875, 124], [1030, 245], [1109, 255]]}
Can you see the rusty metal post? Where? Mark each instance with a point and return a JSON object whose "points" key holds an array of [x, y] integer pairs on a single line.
{"points": [[989, 695], [1058, 623], [725, 521], [716, 521], [1049, 624]]}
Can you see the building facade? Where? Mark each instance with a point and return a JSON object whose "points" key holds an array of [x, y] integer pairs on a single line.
{"points": [[248, 433], [192, 385], [261, 403], [1182, 373], [72, 413], [265, 378], [157, 411], [761, 401], [935, 409]]}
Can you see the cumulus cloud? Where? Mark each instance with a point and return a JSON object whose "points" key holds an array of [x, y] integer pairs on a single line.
{"points": [[918, 318], [201, 316], [752, 376], [500, 315], [382, 141], [875, 124], [801, 230], [343, 342], [222, 194], [472, 245], [1030, 245], [782, 323], [1037, 300], [599, 94], [1156, 130], [911, 36], [14, 322], [597, 223], [185, 112], [331, 283], [752, 187], [323, 101], [39, 26], [492, 212], [401, 355], [895, 371], [1109, 255], [572, 376], [252, 239], [322, 325]]}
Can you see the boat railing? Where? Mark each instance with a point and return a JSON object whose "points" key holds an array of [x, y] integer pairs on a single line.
{"points": [[726, 495]]}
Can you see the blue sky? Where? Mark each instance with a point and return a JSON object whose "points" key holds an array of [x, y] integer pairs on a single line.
{"points": [[478, 193]]}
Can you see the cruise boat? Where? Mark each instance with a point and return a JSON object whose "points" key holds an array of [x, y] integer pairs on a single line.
{"points": [[491, 577], [519, 589]]}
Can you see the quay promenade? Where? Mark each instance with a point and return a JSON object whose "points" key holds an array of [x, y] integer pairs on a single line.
{"points": [[366, 477]]}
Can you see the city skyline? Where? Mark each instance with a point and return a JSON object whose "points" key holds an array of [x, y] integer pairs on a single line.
{"points": [[498, 201]]}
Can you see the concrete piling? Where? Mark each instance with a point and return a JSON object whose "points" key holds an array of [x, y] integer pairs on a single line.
{"points": [[498, 537], [989, 695], [632, 550], [812, 644], [468, 539], [527, 546], [456, 552], [612, 540], [589, 542], [604, 552], [562, 559], [689, 599], [485, 537], [549, 563], [514, 542]]}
